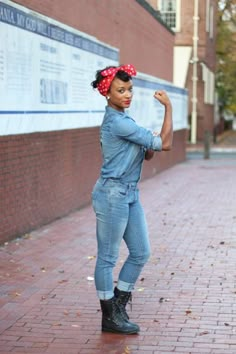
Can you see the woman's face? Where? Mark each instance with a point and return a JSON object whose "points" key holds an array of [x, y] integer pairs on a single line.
{"points": [[120, 94]]}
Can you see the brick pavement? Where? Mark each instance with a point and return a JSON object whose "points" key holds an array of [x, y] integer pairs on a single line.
{"points": [[184, 301]]}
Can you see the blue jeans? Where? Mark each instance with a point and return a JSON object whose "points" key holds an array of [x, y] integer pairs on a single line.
{"points": [[119, 215]]}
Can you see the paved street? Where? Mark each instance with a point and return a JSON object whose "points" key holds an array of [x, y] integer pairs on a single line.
{"points": [[185, 299]]}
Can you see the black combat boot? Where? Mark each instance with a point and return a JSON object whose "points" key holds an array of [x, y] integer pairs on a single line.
{"points": [[123, 297], [113, 320]]}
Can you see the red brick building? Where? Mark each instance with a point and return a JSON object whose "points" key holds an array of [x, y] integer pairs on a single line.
{"points": [[47, 173], [194, 23]]}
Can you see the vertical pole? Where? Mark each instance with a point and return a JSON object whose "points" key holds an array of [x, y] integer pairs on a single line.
{"points": [[194, 77], [206, 144]]}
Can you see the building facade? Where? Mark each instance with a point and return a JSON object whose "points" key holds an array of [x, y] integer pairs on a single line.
{"points": [[194, 24], [49, 130]]}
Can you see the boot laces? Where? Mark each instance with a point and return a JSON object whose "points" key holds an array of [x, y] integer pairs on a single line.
{"points": [[118, 313], [122, 301], [126, 299]]}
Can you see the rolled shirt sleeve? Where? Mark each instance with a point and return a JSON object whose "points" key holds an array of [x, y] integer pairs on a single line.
{"points": [[126, 128]]}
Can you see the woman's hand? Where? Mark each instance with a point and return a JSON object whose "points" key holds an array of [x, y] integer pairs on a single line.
{"points": [[149, 154], [162, 97]]}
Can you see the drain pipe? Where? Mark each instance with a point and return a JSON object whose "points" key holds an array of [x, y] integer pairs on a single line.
{"points": [[195, 75]]}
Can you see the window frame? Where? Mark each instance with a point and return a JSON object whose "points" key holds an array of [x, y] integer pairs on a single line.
{"points": [[211, 21], [207, 15], [177, 13]]}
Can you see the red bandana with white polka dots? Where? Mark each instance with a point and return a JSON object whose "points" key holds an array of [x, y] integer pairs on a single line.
{"points": [[109, 75]]}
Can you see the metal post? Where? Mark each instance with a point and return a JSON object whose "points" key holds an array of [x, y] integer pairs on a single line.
{"points": [[194, 77], [206, 144]]}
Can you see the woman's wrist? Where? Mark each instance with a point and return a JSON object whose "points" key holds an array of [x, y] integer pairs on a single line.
{"points": [[168, 105]]}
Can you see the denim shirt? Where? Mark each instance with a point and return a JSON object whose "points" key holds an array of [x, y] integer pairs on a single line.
{"points": [[124, 144]]}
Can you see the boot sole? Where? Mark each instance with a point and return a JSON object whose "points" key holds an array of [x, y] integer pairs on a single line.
{"points": [[118, 332]]}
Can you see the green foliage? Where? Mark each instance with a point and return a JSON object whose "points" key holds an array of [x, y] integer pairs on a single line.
{"points": [[226, 55]]}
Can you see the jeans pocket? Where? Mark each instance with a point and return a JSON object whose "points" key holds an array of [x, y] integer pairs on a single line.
{"points": [[118, 190]]}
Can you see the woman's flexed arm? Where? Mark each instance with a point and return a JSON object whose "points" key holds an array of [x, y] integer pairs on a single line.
{"points": [[167, 126]]}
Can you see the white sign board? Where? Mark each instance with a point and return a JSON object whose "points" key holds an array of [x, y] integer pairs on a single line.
{"points": [[46, 69], [148, 112]]}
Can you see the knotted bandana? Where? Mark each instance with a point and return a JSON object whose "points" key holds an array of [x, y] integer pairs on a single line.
{"points": [[109, 75]]}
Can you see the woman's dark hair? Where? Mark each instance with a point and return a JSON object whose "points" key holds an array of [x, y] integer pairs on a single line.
{"points": [[122, 75]]}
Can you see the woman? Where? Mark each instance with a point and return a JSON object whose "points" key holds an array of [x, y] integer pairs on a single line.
{"points": [[119, 214]]}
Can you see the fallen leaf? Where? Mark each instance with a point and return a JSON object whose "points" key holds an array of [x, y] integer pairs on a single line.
{"points": [[91, 257], [27, 236], [43, 269], [142, 279], [62, 281], [66, 312], [56, 324], [127, 350], [140, 289], [16, 294], [162, 299], [188, 312], [203, 333]]}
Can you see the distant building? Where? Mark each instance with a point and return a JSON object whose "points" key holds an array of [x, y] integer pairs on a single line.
{"points": [[194, 23]]}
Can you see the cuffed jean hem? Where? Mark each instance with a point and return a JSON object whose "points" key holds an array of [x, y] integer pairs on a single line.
{"points": [[105, 295], [123, 286]]}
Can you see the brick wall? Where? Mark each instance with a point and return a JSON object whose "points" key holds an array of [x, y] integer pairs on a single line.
{"points": [[44, 176]]}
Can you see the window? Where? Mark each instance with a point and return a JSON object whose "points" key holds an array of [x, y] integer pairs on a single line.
{"points": [[209, 84], [209, 19], [170, 12], [211, 31]]}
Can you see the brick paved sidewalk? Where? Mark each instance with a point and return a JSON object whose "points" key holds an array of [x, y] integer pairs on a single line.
{"points": [[185, 299]]}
